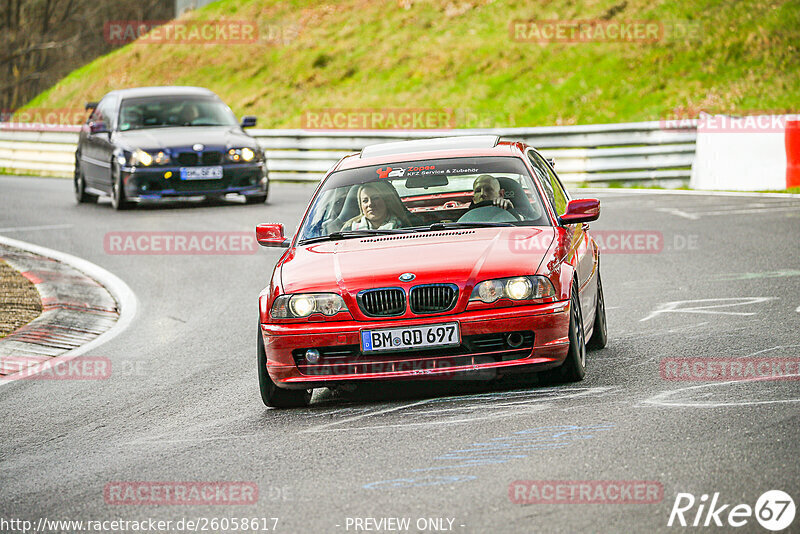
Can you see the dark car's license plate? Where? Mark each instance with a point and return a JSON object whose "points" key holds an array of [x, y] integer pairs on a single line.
{"points": [[410, 337], [201, 173]]}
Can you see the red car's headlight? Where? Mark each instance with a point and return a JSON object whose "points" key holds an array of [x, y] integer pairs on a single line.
{"points": [[304, 304], [515, 288]]}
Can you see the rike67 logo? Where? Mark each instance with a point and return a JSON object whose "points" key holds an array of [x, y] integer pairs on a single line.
{"points": [[774, 510]]}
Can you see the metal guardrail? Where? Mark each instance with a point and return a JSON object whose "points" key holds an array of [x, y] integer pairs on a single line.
{"points": [[590, 153]]}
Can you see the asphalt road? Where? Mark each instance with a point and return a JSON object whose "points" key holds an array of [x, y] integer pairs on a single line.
{"points": [[182, 403]]}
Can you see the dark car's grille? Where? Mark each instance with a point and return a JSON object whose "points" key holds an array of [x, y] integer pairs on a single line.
{"points": [[212, 157], [187, 158], [433, 298], [382, 302]]}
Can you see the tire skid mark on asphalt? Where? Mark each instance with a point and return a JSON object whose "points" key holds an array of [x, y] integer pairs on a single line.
{"points": [[480, 408]]}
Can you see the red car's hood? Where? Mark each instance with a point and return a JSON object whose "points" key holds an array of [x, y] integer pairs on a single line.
{"points": [[463, 257]]}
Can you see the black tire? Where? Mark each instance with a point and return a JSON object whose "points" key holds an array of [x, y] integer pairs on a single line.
{"points": [[600, 333], [118, 200], [271, 394], [255, 199], [81, 196], [574, 367]]}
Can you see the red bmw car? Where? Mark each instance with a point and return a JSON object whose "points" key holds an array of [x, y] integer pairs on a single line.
{"points": [[436, 258]]}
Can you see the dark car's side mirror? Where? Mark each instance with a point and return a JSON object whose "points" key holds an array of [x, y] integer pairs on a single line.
{"points": [[91, 105], [248, 121], [97, 127], [271, 235], [581, 210]]}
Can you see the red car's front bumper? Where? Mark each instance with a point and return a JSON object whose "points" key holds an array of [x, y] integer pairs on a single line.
{"points": [[544, 329]]}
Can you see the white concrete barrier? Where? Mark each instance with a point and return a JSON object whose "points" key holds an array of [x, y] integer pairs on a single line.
{"points": [[740, 153]]}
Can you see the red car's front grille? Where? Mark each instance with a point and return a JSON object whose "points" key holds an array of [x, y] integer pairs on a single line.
{"points": [[387, 302], [349, 360], [433, 298]]}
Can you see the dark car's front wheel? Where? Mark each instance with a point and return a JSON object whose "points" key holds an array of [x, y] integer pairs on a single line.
{"points": [[271, 394], [256, 199], [118, 200], [81, 196]]}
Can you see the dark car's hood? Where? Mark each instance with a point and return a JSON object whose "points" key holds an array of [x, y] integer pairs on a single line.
{"points": [[463, 257], [186, 136]]}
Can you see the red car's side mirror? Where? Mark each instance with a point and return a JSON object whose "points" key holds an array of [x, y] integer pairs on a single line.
{"points": [[271, 235], [581, 210]]}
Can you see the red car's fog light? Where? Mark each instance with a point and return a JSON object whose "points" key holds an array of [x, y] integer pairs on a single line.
{"points": [[312, 356]]}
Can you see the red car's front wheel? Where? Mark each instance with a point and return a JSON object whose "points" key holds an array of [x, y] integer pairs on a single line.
{"points": [[574, 367], [271, 394]]}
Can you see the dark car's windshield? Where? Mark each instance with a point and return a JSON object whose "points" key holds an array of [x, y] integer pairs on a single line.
{"points": [[486, 191], [175, 110]]}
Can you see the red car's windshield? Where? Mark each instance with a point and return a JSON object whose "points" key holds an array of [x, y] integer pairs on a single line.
{"points": [[490, 190]]}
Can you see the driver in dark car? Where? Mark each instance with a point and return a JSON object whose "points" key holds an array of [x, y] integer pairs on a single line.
{"points": [[486, 188]]}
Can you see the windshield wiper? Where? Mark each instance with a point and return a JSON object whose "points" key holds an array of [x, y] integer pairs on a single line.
{"points": [[454, 225], [348, 234]]}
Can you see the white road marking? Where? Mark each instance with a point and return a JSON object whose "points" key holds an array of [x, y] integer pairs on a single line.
{"points": [[773, 348], [30, 228], [730, 210], [756, 276], [679, 213], [673, 307], [661, 399], [482, 408], [798, 309], [747, 210]]}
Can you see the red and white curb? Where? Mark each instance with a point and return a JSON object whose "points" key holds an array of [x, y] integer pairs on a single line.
{"points": [[83, 306]]}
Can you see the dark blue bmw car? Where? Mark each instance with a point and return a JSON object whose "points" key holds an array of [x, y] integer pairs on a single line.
{"points": [[155, 143]]}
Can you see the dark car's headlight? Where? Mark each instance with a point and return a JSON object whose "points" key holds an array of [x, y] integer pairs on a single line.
{"points": [[304, 304], [516, 288], [239, 155], [145, 159]]}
